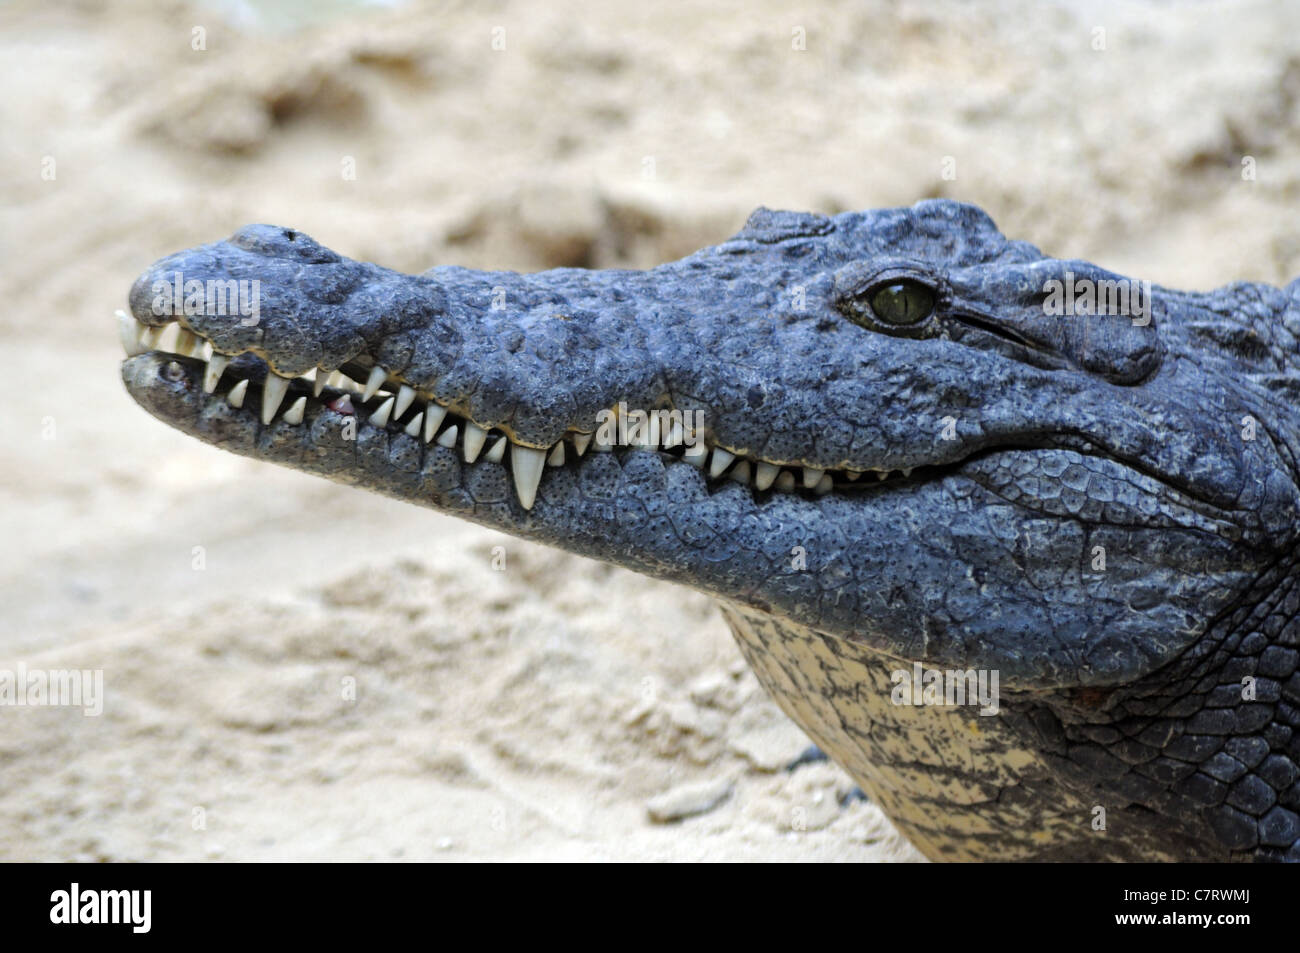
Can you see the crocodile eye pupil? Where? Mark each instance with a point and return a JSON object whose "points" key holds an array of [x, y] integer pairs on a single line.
{"points": [[903, 302]]}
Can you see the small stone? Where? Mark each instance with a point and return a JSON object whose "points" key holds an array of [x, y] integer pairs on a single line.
{"points": [[688, 800], [769, 748]]}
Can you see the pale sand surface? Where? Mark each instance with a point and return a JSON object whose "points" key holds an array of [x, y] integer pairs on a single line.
{"points": [[530, 713]]}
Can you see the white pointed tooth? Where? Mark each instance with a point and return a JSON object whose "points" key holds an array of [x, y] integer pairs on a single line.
{"points": [[150, 337], [340, 381], [128, 332], [812, 476], [187, 342], [721, 460], [882, 474], [906, 471], [413, 428], [696, 455], [852, 475], [527, 465], [319, 383], [405, 396], [766, 475], [236, 396], [433, 414], [674, 437], [475, 437], [581, 441], [294, 414], [377, 376], [448, 437], [556, 457], [206, 352], [273, 390], [824, 485], [785, 482], [380, 417], [498, 451], [740, 472], [167, 339], [216, 367]]}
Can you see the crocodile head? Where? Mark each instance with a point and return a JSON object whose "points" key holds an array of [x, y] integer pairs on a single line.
{"points": [[895, 428]]}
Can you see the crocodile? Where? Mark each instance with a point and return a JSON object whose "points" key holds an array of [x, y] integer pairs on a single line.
{"points": [[1016, 550]]}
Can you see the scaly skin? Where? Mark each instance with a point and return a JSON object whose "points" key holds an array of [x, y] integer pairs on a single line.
{"points": [[1032, 443]]}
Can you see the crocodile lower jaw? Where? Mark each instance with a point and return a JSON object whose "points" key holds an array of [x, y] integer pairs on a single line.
{"points": [[386, 402]]}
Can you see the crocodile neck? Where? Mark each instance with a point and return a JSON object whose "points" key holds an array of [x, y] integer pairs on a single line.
{"points": [[1080, 777]]}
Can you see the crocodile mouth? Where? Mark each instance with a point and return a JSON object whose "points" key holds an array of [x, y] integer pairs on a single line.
{"points": [[380, 400], [375, 399]]}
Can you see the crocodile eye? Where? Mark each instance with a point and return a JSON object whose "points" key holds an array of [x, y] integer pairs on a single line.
{"points": [[902, 302]]}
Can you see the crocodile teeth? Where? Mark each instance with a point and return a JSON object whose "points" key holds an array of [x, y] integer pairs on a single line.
{"points": [[556, 457], [785, 482], [721, 460], [128, 331], [413, 428], [475, 437], [696, 455], [906, 471], [823, 485], [740, 473], [167, 337], [405, 397], [236, 396], [852, 475], [498, 451], [527, 464], [341, 381], [433, 420], [188, 344], [150, 337], [377, 376], [216, 367], [581, 441], [318, 384], [273, 390], [881, 474], [766, 475], [812, 476], [294, 414], [380, 417], [448, 437]]}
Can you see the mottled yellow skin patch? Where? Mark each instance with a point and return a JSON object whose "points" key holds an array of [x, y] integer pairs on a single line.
{"points": [[959, 785]]}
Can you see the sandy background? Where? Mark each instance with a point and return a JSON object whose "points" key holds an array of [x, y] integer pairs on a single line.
{"points": [[541, 711]]}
